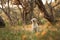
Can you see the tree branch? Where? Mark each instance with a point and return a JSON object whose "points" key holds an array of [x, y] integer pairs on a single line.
{"points": [[56, 5]]}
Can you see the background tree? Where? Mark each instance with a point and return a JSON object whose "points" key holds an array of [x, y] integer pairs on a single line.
{"points": [[28, 8], [41, 7]]}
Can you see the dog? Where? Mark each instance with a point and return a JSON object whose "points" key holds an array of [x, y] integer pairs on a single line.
{"points": [[34, 25]]}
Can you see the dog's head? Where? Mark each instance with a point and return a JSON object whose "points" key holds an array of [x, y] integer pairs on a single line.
{"points": [[33, 20]]}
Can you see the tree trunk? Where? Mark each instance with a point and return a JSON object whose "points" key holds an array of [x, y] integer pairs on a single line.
{"points": [[6, 11], [27, 11], [42, 8], [2, 23]]}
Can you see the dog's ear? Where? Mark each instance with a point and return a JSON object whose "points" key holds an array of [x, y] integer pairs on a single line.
{"points": [[33, 20]]}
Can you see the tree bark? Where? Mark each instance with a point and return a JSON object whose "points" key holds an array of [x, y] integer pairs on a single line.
{"points": [[42, 8]]}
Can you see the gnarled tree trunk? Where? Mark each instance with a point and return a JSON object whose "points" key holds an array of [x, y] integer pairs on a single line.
{"points": [[42, 8]]}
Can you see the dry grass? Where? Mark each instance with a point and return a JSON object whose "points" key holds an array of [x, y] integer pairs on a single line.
{"points": [[49, 32]]}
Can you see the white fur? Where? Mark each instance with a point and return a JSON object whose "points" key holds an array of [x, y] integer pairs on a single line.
{"points": [[34, 24]]}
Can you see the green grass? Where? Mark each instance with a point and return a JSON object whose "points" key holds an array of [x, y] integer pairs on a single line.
{"points": [[10, 34], [7, 34]]}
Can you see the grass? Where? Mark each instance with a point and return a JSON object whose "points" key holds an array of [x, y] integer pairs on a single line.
{"points": [[12, 34], [49, 32]]}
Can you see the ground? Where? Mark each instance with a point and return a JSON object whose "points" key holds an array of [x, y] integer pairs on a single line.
{"points": [[49, 32]]}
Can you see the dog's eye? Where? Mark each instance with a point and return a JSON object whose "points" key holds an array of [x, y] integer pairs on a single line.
{"points": [[33, 21]]}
